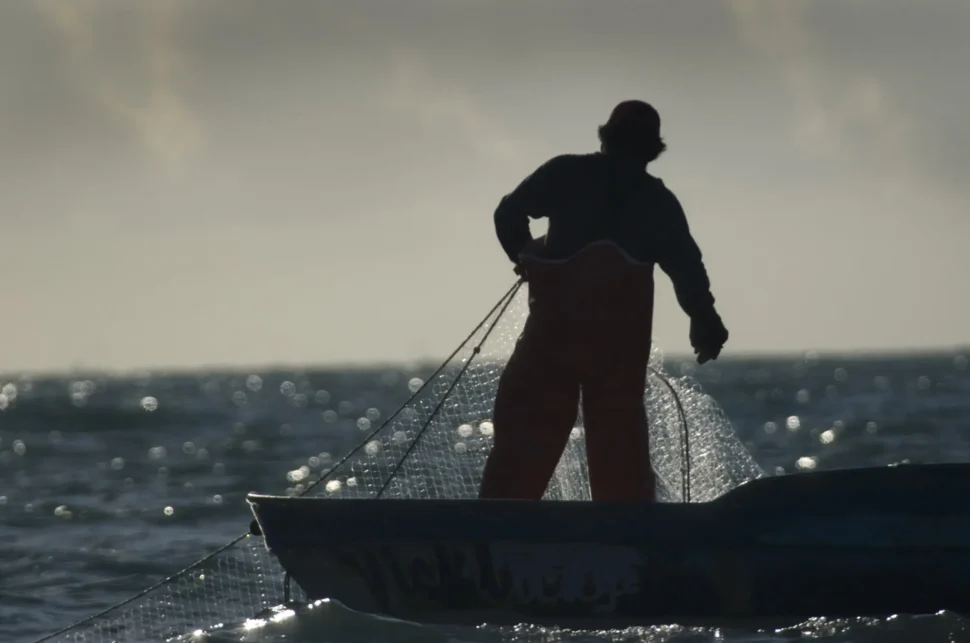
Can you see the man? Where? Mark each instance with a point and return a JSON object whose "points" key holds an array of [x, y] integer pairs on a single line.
{"points": [[590, 318]]}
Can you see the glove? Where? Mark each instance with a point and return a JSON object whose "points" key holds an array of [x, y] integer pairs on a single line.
{"points": [[707, 336]]}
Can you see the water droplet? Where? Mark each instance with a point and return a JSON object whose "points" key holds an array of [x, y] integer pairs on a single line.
{"points": [[400, 437], [3, 501], [803, 396], [827, 436], [254, 383], [486, 428], [351, 482], [202, 453], [157, 453], [9, 391], [333, 486], [288, 388], [251, 446], [19, 447], [218, 468], [779, 471], [4, 402], [793, 423], [321, 397], [149, 403], [373, 447], [217, 499], [576, 433], [345, 408], [297, 474], [168, 511], [118, 464], [373, 414], [329, 416], [363, 424], [188, 448], [806, 463], [841, 375], [770, 427], [29, 508], [465, 430], [299, 401], [461, 447], [239, 398], [871, 428], [62, 512], [923, 383], [415, 384]]}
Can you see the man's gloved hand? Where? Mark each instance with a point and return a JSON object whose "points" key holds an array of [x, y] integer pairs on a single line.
{"points": [[707, 336]]}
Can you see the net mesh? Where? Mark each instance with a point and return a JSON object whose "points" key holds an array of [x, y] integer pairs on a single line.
{"points": [[434, 446]]}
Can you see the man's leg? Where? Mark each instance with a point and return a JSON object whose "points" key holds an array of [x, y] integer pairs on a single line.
{"points": [[535, 410], [617, 439]]}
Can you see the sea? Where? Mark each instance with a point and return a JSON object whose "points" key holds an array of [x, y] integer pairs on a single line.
{"points": [[110, 483]]}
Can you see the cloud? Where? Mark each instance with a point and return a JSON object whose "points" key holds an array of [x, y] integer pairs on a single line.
{"points": [[414, 89], [837, 112], [160, 115]]}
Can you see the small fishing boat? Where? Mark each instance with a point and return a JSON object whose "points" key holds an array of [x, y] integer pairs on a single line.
{"points": [[851, 542]]}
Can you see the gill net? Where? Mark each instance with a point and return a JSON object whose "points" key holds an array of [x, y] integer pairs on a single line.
{"points": [[432, 447]]}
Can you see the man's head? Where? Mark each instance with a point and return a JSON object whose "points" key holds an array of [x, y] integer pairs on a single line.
{"points": [[633, 130]]}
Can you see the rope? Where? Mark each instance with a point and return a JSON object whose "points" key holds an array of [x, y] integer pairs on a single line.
{"points": [[506, 300], [143, 592], [685, 465], [454, 383], [501, 306]]}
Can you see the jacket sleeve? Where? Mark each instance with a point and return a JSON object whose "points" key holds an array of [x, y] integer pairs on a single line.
{"points": [[532, 199], [680, 258]]}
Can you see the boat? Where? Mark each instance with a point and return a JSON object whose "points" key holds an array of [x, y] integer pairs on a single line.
{"points": [[838, 543]]}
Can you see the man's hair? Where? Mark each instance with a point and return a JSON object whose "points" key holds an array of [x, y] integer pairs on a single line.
{"points": [[625, 140]]}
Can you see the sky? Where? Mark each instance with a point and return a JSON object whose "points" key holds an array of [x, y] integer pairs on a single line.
{"points": [[238, 182]]}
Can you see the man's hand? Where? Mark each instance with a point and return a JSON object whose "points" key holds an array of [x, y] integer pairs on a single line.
{"points": [[535, 248], [707, 336]]}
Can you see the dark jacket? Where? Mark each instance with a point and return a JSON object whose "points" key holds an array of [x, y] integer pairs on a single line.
{"points": [[591, 197]]}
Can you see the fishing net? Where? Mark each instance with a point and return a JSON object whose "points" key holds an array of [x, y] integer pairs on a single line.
{"points": [[433, 446]]}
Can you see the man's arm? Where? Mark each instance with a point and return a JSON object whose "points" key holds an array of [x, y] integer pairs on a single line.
{"points": [[530, 200], [679, 256]]}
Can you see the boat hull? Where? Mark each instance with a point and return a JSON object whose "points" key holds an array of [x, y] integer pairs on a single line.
{"points": [[849, 543]]}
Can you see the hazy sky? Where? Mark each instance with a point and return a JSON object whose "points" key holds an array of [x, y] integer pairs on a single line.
{"points": [[250, 182]]}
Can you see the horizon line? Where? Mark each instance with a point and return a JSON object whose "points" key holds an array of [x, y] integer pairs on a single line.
{"points": [[431, 362]]}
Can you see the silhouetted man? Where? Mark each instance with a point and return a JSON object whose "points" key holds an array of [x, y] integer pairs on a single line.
{"points": [[591, 294]]}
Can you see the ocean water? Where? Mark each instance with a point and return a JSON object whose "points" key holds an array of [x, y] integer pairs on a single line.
{"points": [[109, 484]]}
